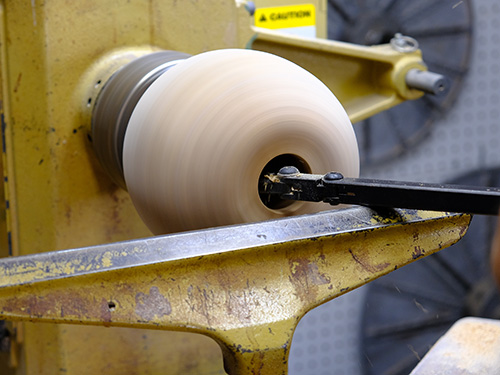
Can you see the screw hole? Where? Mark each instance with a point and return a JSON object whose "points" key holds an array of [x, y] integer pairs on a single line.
{"points": [[89, 102], [111, 306], [97, 84]]}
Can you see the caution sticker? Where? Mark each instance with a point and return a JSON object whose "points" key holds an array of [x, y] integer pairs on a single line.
{"points": [[286, 17]]}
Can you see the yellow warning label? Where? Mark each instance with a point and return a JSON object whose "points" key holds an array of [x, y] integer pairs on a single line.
{"points": [[286, 17]]}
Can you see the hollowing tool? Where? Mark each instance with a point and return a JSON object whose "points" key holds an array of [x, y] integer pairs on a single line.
{"points": [[189, 138], [333, 188]]}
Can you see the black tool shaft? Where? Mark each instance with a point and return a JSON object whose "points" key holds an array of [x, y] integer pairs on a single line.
{"points": [[334, 189], [365, 192]]}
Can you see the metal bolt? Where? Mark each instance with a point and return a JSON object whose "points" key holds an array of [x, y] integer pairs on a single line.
{"points": [[250, 7], [332, 176], [428, 82], [288, 171], [405, 44]]}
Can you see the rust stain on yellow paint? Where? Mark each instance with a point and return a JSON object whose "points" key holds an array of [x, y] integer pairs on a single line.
{"points": [[152, 305], [367, 265]]}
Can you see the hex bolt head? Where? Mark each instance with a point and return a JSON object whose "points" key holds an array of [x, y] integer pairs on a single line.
{"points": [[288, 171], [332, 176]]}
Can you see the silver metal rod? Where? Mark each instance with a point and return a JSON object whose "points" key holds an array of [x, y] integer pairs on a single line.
{"points": [[196, 244], [428, 82]]}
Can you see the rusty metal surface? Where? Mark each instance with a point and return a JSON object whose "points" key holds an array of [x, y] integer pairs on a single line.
{"points": [[244, 286], [470, 347]]}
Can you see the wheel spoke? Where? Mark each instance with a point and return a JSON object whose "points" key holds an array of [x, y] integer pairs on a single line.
{"points": [[440, 32], [341, 11], [412, 326]]}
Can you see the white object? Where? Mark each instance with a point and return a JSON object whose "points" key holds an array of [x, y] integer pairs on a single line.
{"points": [[201, 134]]}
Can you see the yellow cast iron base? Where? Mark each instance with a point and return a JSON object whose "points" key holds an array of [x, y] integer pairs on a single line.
{"points": [[245, 286]]}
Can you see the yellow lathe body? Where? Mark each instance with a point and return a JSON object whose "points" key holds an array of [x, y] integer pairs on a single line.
{"points": [[55, 58]]}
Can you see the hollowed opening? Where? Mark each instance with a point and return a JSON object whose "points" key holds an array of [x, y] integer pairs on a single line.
{"points": [[273, 201]]}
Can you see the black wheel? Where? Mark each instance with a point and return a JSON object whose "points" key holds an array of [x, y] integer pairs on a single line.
{"points": [[443, 31], [409, 309]]}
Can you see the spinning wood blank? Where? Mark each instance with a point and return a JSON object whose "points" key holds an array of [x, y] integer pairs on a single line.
{"points": [[202, 133]]}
